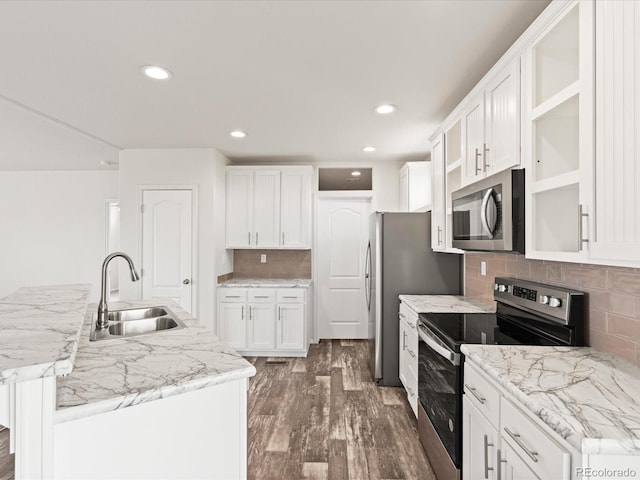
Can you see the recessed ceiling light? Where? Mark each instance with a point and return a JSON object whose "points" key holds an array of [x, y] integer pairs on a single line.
{"points": [[386, 108], [369, 149], [156, 72], [356, 173], [238, 134]]}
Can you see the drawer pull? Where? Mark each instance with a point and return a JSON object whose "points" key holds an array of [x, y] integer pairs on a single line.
{"points": [[487, 468], [232, 296], [413, 355], [516, 438], [500, 461], [261, 296], [289, 296], [242, 312], [475, 393]]}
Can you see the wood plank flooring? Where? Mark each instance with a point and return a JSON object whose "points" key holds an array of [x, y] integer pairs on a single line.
{"points": [[6, 459], [322, 417]]}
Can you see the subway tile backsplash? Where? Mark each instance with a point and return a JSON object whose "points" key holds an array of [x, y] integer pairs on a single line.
{"points": [[613, 294]]}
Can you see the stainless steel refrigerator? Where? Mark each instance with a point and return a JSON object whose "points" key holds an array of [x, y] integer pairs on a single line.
{"points": [[400, 261]]}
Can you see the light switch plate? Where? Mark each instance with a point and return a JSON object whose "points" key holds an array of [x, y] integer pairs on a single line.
{"points": [[483, 268], [263, 258]]}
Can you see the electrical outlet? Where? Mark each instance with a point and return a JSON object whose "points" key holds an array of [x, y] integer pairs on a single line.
{"points": [[263, 258], [483, 268]]}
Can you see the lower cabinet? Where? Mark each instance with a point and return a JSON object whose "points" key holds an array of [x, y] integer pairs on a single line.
{"points": [[480, 444], [408, 355], [264, 322]]}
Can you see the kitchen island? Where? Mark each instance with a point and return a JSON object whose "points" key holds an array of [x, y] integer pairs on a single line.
{"points": [[170, 404]]}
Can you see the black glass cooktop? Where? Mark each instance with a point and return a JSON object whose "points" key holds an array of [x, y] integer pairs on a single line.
{"points": [[454, 329]]}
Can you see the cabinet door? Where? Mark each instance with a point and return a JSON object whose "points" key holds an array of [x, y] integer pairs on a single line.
{"points": [[502, 121], [295, 210], [473, 141], [616, 233], [404, 189], [290, 329], [239, 208], [512, 466], [266, 209], [402, 358], [479, 444], [233, 327], [261, 326], [438, 212]]}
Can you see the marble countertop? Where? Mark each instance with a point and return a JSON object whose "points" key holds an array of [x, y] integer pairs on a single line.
{"points": [[39, 331], [118, 373], [445, 304], [590, 398], [267, 282]]}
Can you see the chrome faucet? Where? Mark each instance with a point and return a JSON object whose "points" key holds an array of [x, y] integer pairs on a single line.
{"points": [[103, 310]]}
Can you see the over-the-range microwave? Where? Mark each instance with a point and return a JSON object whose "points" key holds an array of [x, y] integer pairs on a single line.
{"points": [[489, 215]]}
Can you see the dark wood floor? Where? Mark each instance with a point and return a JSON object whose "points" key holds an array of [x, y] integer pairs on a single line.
{"points": [[6, 460], [322, 417]]}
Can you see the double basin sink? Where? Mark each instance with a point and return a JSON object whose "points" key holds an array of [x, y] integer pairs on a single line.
{"points": [[135, 321]]}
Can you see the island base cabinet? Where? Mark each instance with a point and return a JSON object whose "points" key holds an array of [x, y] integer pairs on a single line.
{"points": [[198, 434]]}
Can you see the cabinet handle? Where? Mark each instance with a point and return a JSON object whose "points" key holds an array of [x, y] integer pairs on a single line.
{"points": [[412, 325], [484, 158], [581, 214], [516, 438], [404, 341], [242, 318], [290, 296], [499, 462], [413, 355], [439, 235], [256, 239], [475, 393], [249, 235], [477, 156], [250, 313], [487, 468], [282, 238], [261, 296], [279, 313], [232, 296]]}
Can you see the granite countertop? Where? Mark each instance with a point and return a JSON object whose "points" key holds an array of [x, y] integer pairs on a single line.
{"points": [[590, 398], [39, 331], [445, 304], [118, 373], [267, 282]]}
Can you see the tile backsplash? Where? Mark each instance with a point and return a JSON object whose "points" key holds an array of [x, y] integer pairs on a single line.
{"points": [[280, 264], [613, 300]]}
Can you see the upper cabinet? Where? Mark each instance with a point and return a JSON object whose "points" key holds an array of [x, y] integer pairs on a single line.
{"points": [[438, 241], [491, 126], [615, 231], [415, 187], [558, 136], [268, 207]]}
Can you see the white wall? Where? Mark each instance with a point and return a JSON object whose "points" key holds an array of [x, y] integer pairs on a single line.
{"points": [[53, 228], [201, 167]]}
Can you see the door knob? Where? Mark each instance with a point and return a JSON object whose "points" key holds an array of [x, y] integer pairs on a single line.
{"points": [[186, 281]]}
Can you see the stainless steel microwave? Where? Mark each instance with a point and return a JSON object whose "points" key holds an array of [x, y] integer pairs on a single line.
{"points": [[489, 215]]}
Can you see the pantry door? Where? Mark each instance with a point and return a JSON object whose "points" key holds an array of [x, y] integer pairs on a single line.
{"points": [[340, 254], [167, 243]]}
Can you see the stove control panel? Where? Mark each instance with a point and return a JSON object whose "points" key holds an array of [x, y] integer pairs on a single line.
{"points": [[559, 304]]}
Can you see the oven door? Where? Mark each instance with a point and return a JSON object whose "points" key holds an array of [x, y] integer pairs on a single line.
{"points": [[440, 390]]}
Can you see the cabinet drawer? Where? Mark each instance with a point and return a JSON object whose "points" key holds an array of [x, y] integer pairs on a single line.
{"points": [[539, 451], [408, 316], [261, 295], [290, 295], [484, 396], [233, 295]]}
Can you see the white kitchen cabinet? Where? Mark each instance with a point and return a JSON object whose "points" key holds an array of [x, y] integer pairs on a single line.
{"points": [[558, 136], [415, 187], [438, 212], [268, 207], [480, 444], [408, 354], [491, 127], [512, 466], [615, 230], [295, 208], [264, 321]]}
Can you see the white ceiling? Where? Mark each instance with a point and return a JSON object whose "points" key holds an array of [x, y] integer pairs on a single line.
{"points": [[301, 77]]}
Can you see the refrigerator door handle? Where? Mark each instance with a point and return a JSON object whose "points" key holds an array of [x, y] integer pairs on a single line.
{"points": [[367, 277]]}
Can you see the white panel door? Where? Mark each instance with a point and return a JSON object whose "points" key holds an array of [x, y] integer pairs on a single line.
{"points": [[512, 467], [472, 141], [166, 245], [290, 326], [295, 209], [502, 120], [343, 233], [261, 326], [480, 442], [617, 167], [266, 209], [239, 209], [233, 324]]}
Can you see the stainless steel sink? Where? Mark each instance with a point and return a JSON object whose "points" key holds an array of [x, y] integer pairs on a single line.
{"points": [[135, 321]]}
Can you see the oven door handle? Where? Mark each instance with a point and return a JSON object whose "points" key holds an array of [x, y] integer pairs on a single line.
{"points": [[435, 344]]}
